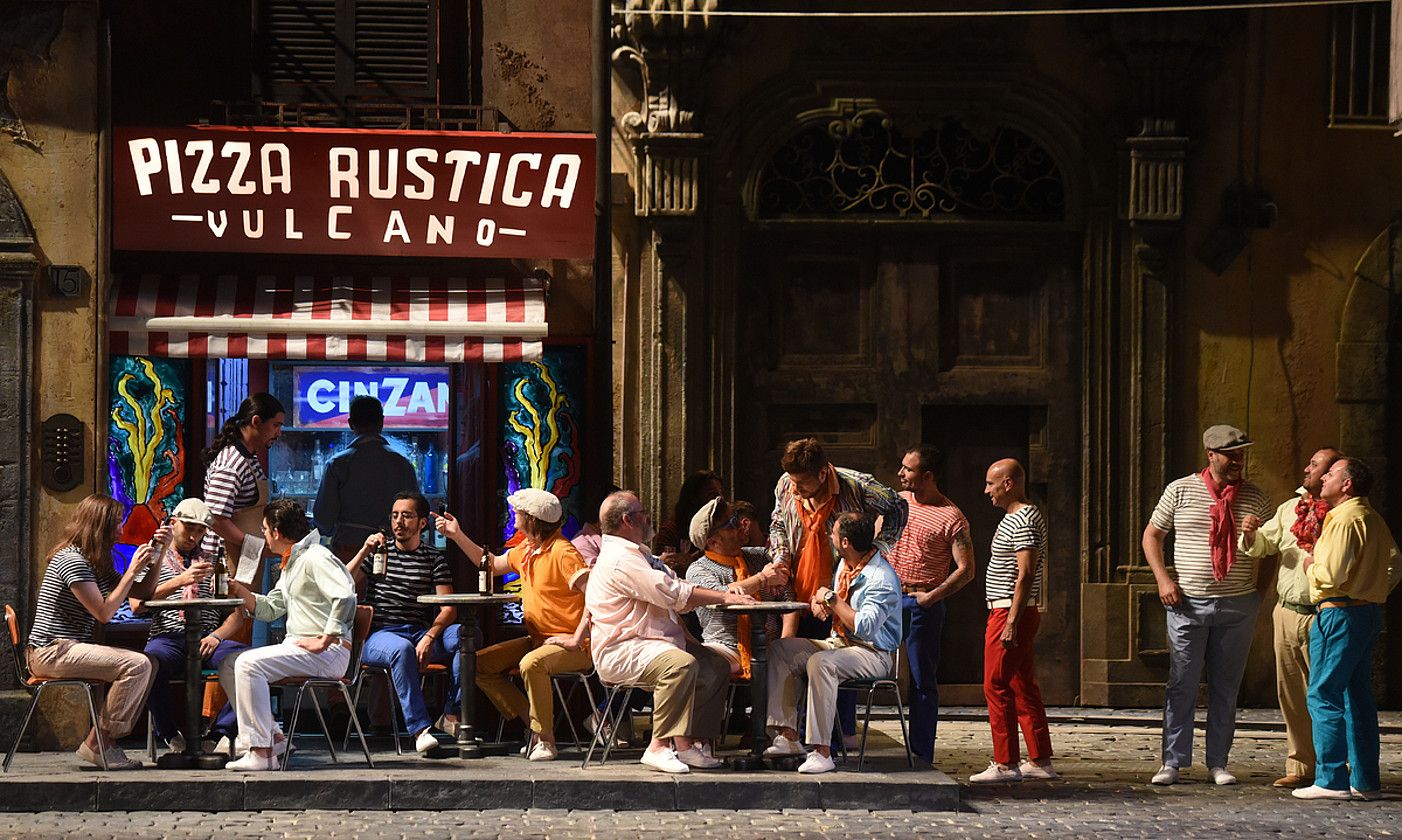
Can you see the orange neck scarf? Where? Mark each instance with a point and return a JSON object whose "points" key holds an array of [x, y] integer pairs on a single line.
{"points": [[814, 566], [742, 620], [845, 579]]}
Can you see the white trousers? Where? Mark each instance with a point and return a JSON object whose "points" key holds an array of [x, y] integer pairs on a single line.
{"points": [[245, 677], [825, 663]]}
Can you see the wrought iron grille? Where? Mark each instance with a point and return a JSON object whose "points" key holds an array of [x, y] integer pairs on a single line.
{"points": [[1359, 49], [863, 166]]}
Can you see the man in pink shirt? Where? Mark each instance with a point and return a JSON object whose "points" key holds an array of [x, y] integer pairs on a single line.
{"points": [[636, 638]]}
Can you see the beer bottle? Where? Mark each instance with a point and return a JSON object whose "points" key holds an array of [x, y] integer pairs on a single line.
{"points": [[221, 574], [380, 563]]}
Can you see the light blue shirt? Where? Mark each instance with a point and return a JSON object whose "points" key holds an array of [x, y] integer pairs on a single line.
{"points": [[876, 599]]}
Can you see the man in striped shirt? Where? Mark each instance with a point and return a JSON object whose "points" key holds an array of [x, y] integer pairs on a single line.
{"points": [[936, 537], [405, 635], [1013, 581], [1211, 598]]}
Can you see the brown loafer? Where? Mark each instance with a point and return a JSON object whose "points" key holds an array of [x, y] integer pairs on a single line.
{"points": [[1292, 781]]}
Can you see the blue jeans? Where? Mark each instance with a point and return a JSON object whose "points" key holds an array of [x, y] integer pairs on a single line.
{"points": [[1214, 633], [922, 648], [1340, 698], [168, 650], [393, 647]]}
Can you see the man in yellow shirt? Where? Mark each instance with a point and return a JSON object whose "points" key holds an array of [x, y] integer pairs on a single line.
{"points": [[1355, 565]]}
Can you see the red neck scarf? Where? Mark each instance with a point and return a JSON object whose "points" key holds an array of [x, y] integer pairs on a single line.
{"points": [[1222, 537], [1309, 521]]}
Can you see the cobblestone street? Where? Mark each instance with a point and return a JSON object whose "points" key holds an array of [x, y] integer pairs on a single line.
{"points": [[1104, 794]]}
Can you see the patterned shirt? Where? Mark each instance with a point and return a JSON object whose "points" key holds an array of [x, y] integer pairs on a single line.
{"points": [[408, 574], [855, 492], [173, 621], [59, 614], [1186, 509], [1023, 528], [230, 484], [925, 553]]}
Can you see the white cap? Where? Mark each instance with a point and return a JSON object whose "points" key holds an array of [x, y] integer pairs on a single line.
{"points": [[541, 504], [192, 510]]}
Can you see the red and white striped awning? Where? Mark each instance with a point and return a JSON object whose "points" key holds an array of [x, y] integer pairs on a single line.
{"points": [[329, 317]]}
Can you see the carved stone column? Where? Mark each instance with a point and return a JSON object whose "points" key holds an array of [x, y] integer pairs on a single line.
{"points": [[669, 153]]}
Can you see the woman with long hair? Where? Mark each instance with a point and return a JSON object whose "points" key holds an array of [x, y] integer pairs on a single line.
{"points": [[671, 541], [235, 485], [80, 588]]}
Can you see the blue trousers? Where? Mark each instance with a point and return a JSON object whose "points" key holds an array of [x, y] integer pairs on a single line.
{"points": [[169, 652], [1340, 697], [1215, 634], [392, 648], [923, 653]]}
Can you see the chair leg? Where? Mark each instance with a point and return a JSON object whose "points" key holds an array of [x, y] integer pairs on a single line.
{"points": [[325, 730], [564, 709], [905, 735], [292, 727], [354, 703], [603, 726], [97, 730], [725, 716], [19, 736], [618, 719], [866, 729], [355, 720], [395, 712], [150, 734]]}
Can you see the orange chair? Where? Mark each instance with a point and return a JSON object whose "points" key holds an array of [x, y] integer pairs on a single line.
{"points": [[36, 685], [308, 686]]}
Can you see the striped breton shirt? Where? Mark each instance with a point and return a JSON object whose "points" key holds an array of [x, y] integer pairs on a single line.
{"points": [[230, 484], [924, 553], [1186, 509], [173, 621], [408, 574], [1023, 528], [59, 614]]}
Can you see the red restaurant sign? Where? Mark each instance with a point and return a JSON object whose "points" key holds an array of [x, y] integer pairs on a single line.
{"points": [[353, 192]]}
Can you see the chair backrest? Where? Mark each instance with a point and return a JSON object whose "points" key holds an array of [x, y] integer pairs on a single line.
{"points": [[16, 651], [360, 631]]}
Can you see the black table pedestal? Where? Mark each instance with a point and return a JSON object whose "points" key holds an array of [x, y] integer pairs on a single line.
{"points": [[193, 757]]}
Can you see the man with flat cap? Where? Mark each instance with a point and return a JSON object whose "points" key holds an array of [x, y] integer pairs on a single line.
{"points": [[1211, 597]]}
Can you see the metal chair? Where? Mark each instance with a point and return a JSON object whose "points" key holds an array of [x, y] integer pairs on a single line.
{"points": [[871, 686], [207, 676], [309, 685], [36, 685], [432, 669], [612, 718], [576, 678]]}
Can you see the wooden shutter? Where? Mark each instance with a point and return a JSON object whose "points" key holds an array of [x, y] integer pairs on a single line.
{"points": [[394, 47]]}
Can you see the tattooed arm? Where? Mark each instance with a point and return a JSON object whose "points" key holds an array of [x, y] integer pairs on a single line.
{"points": [[963, 550]]}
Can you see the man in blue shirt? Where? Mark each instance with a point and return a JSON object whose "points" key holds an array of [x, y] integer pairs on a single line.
{"points": [[361, 481], [866, 629]]}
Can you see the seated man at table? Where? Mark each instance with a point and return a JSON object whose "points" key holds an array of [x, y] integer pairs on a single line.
{"points": [[726, 565], [405, 635], [553, 576], [317, 595], [866, 625], [185, 572], [636, 639]]}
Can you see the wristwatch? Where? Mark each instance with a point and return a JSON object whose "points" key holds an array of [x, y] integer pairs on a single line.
{"points": [[830, 597]]}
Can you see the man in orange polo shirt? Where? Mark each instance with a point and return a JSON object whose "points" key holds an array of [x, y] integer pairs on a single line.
{"points": [[553, 575]]}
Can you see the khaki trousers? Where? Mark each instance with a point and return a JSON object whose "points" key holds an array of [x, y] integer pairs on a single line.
{"points": [[688, 692], [825, 663], [1292, 676], [129, 672], [537, 664]]}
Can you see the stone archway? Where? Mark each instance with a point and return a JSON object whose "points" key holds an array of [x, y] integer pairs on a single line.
{"points": [[1369, 363], [18, 266]]}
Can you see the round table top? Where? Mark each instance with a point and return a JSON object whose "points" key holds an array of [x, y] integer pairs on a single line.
{"points": [[186, 603], [765, 606], [468, 599]]}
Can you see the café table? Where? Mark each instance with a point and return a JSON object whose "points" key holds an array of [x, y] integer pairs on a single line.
{"points": [[470, 744], [759, 676], [194, 757]]}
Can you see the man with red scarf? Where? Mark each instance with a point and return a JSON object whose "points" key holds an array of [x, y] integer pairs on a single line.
{"points": [[1211, 597], [1291, 534]]}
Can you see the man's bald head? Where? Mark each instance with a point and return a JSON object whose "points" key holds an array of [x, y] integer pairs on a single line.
{"points": [[1010, 468], [1005, 483]]}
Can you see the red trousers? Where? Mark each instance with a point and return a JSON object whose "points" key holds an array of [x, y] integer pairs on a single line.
{"points": [[1010, 686]]}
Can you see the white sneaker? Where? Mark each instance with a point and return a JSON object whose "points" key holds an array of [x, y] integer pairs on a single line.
{"points": [[542, 752], [695, 757], [664, 760], [783, 746], [1317, 792], [227, 746], [996, 774], [1220, 776], [252, 762], [816, 763], [425, 742], [1033, 770], [177, 744], [1166, 776], [1366, 795]]}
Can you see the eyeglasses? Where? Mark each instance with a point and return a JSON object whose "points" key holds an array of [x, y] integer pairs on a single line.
{"points": [[732, 522]]}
